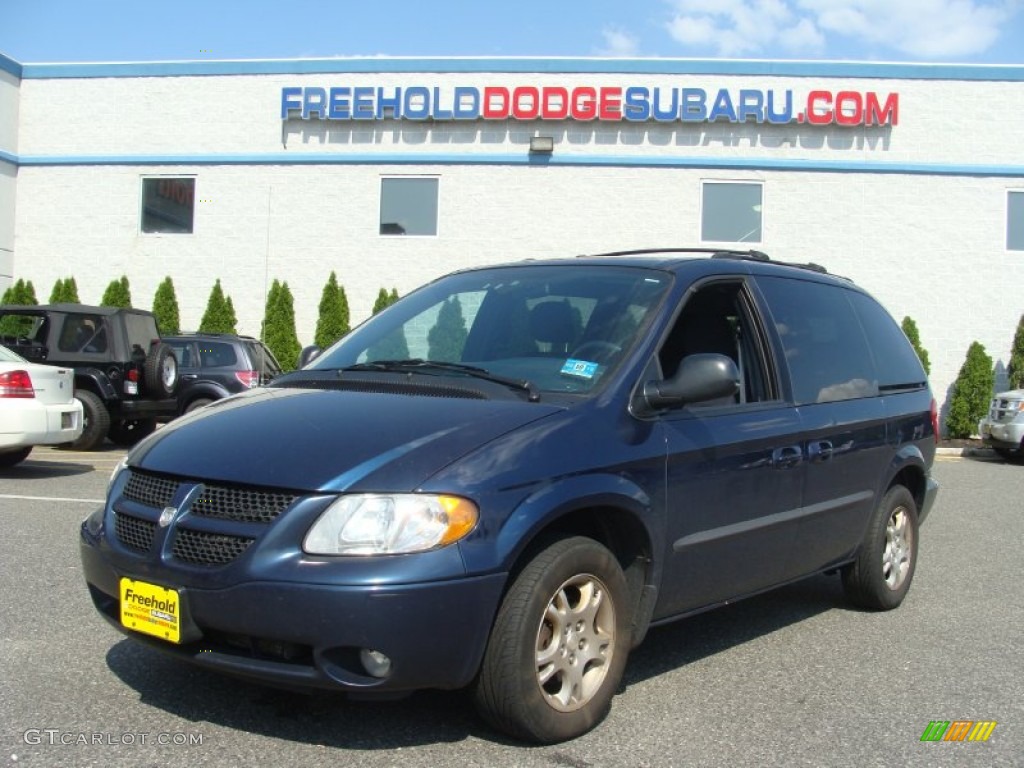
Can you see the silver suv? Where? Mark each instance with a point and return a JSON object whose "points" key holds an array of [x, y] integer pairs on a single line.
{"points": [[1003, 427]]}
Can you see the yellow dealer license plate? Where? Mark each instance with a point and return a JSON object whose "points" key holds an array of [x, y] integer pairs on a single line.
{"points": [[151, 609]]}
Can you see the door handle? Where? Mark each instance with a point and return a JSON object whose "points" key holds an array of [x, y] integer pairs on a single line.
{"points": [[788, 457], [189, 376], [819, 450]]}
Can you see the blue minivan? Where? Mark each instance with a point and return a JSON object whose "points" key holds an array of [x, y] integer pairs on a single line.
{"points": [[503, 480]]}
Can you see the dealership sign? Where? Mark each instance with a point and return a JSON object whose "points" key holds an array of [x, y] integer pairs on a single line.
{"points": [[586, 103]]}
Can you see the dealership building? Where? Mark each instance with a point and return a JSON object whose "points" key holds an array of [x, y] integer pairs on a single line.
{"points": [[906, 178]]}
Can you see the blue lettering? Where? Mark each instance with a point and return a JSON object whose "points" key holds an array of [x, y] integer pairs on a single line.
{"points": [[467, 103], [723, 107], [314, 100], [290, 101], [665, 115], [439, 113], [786, 116], [416, 104], [388, 106], [752, 106], [695, 105], [636, 104], [362, 103], [338, 104]]}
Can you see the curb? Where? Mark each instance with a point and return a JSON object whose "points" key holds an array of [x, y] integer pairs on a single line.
{"points": [[970, 451]]}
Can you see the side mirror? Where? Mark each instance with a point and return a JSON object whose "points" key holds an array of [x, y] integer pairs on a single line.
{"points": [[701, 377], [308, 355]]}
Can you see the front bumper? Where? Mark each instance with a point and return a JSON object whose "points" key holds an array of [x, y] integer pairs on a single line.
{"points": [[1005, 436], [310, 635], [159, 410]]}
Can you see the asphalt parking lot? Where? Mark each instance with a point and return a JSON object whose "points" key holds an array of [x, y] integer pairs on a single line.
{"points": [[791, 678]]}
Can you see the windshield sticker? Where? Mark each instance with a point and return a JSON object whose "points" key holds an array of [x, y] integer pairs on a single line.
{"points": [[581, 368]]}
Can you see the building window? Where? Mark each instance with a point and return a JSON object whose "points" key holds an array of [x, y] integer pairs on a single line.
{"points": [[1015, 221], [731, 212], [168, 204], [408, 206]]}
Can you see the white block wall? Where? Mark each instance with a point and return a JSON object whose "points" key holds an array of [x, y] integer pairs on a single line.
{"points": [[928, 245], [9, 99]]}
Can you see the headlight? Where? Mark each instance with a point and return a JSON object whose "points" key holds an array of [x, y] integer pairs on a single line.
{"points": [[372, 524]]}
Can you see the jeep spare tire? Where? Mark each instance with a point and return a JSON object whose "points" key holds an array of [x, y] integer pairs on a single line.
{"points": [[160, 371]]}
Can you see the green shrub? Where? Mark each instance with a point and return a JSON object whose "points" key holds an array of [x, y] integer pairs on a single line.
{"points": [[385, 299], [22, 292], [65, 291], [910, 329], [279, 326], [1015, 370], [972, 393], [219, 316], [118, 294], [332, 322], [165, 308]]}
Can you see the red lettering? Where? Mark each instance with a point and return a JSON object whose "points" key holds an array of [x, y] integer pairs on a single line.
{"points": [[532, 96], [496, 101], [610, 104], [876, 114], [849, 108], [814, 117], [584, 103], [554, 103]]}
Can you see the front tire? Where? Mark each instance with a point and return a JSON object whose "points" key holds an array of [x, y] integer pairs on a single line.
{"points": [[558, 645], [95, 422], [10, 458], [881, 575]]}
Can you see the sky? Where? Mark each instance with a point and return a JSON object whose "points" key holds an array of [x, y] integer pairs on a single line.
{"points": [[941, 31]]}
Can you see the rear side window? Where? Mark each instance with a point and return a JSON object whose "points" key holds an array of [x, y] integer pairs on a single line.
{"points": [[85, 334], [826, 350], [215, 354], [895, 360], [263, 360]]}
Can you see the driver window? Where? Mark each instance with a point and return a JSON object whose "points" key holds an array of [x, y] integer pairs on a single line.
{"points": [[717, 319]]}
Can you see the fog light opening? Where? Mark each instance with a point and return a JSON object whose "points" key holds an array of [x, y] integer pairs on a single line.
{"points": [[375, 663]]}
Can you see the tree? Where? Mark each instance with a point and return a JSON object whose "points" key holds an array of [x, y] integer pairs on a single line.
{"points": [[446, 340], [1015, 370], [65, 291], [910, 330], [219, 316], [385, 299], [332, 322], [971, 394], [24, 293], [279, 326], [165, 308], [117, 294]]}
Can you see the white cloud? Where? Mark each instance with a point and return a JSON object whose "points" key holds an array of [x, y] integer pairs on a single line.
{"points": [[617, 43], [922, 29]]}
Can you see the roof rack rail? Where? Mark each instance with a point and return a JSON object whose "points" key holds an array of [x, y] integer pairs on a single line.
{"points": [[720, 252]]}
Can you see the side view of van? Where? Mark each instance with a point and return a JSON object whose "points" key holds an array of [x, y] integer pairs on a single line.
{"points": [[502, 481]]}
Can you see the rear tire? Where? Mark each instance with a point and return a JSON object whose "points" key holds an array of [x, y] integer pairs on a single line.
{"points": [[558, 645], [10, 458], [160, 371], [880, 576], [95, 420], [128, 432]]}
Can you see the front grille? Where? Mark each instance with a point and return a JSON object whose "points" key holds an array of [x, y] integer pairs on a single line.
{"points": [[134, 532], [202, 548], [150, 490], [243, 504]]}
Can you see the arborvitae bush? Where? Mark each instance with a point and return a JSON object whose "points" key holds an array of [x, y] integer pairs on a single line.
{"points": [[910, 329], [65, 291], [383, 301], [972, 393], [118, 294], [332, 322], [448, 336], [22, 292], [1015, 370], [279, 326], [219, 316], [165, 308]]}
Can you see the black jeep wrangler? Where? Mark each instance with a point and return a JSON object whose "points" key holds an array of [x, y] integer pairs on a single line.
{"points": [[125, 376]]}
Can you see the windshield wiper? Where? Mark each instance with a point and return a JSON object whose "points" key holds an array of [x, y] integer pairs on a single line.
{"points": [[419, 364]]}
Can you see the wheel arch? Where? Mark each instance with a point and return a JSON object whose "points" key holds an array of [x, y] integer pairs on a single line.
{"points": [[909, 470]]}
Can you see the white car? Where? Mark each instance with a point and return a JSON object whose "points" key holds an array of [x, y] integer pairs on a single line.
{"points": [[1002, 428], [37, 407]]}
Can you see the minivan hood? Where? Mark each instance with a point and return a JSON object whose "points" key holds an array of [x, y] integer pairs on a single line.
{"points": [[331, 441]]}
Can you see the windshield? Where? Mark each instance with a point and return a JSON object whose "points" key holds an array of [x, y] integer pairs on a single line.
{"points": [[560, 328]]}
